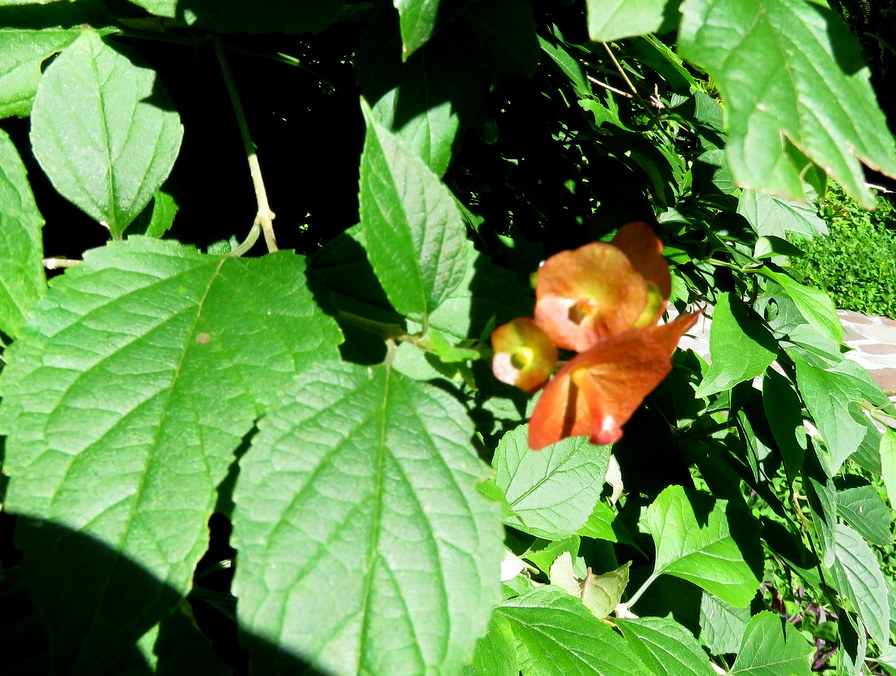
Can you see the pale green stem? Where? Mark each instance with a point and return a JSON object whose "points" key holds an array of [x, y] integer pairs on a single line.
{"points": [[637, 595], [265, 216]]}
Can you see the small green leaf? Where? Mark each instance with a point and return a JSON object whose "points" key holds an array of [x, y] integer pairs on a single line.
{"points": [[772, 647], [412, 230], [601, 594], [29, 34], [417, 19], [888, 463], [558, 635], [553, 491], [543, 553], [814, 305], [694, 541], [363, 543], [857, 576], [449, 353], [776, 217], [832, 397], [110, 147], [721, 625], [158, 217], [741, 348], [603, 524], [125, 396], [665, 646], [21, 272], [816, 98], [615, 19], [863, 509], [507, 33]]}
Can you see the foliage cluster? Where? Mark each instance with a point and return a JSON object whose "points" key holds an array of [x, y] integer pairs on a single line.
{"points": [[207, 433], [855, 261]]}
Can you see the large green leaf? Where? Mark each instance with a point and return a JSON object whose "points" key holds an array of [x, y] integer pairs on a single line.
{"points": [[559, 635], [832, 397], [412, 230], [364, 546], [615, 19], [814, 305], [740, 347], [772, 647], [776, 217], [552, 492], [705, 541], [30, 33], [259, 16], [857, 576], [125, 396], [417, 19], [104, 131], [796, 90], [665, 646], [21, 272], [495, 653]]}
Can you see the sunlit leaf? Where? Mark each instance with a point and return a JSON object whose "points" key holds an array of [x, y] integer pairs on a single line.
{"points": [[772, 647], [127, 393], [665, 646], [796, 91], [356, 504], [706, 541]]}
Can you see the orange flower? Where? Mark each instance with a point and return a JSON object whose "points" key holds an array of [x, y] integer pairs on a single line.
{"points": [[598, 390], [598, 290], [524, 355]]}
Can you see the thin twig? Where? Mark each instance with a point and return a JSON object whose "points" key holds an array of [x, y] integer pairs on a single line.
{"points": [[611, 88], [59, 263], [625, 77], [265, 216]]}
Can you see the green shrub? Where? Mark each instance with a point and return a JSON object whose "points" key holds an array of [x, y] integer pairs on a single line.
{"points": [[856, 262]]}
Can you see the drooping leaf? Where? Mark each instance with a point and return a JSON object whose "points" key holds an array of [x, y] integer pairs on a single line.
{"points": [[364, 546], [558, 635], [108, 149], [21, 273], [740, 347], [261, 16], [29, 34], [615, 19], [817, 105], [412, 230], [600, 593], [125, 396], [832, 397], [856, 574], [665, 646], [706, 541], [417, 19], [783, 410], [158, 217], [776, 217], [814, 305], [863, 509], [772, 647], [507, 32], [551, 492]]}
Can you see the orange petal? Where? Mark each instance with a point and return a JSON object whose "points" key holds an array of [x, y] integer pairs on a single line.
{"points": [[588, 294], [523, 354], [644, 251], [597, 391]]}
